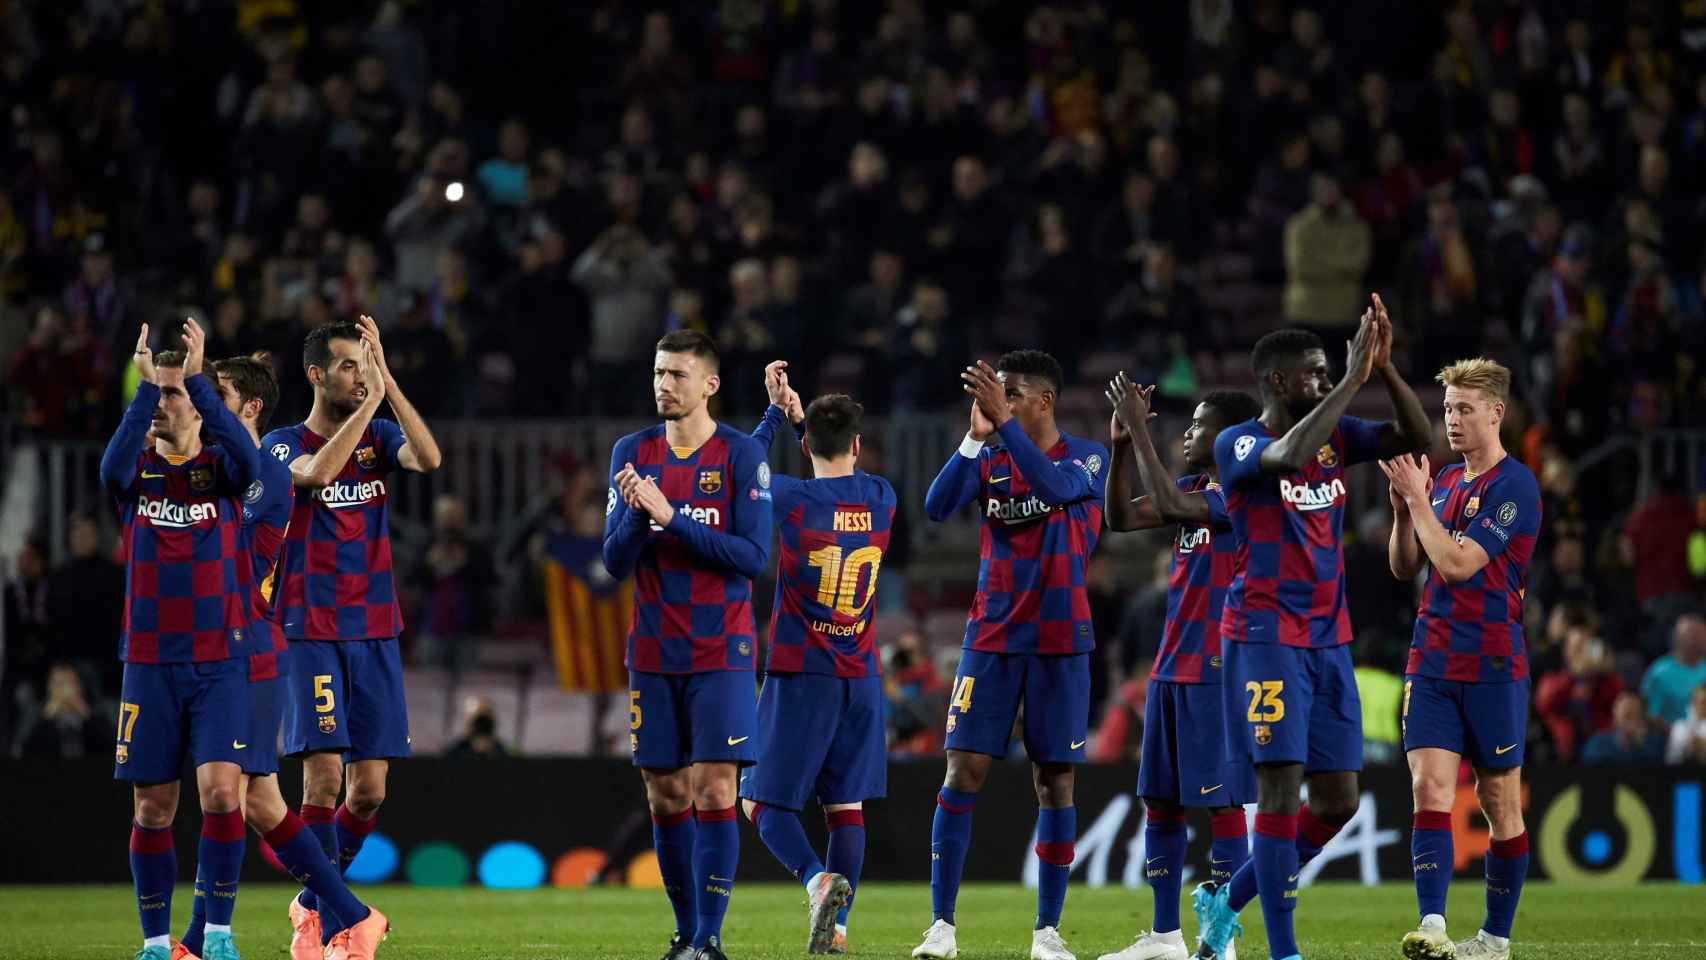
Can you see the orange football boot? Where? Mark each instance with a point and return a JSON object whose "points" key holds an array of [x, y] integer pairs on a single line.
{"points": [[305, 941]]}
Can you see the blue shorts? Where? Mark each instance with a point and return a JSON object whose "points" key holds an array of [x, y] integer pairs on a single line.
{"points": [[1486, 722], [167, 709], [346, 696], [1054, 689], [1184, 752], [267, 701], [676, 719], [1293, 705], [820, 736]]}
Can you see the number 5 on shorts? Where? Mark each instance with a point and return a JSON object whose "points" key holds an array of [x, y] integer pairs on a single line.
{"points": [[1265, 703], [323, 700], [634, 710]]}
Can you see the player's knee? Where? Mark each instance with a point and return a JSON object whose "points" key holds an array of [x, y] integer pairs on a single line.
{"points": [[1156, 807], [365, 797], [1501, 801], [966, 771], [714, 795], [220, 797], [155, 809], [1431, 789], [1053, 782], [263, 809]]}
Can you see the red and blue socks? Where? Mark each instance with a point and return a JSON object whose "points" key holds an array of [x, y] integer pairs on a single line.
{"points": [[1164, 865], [352, 833], [1231, 847], [1276, 861], [1313, 833], [1057, 836], [318, 820], [1431, 859], [153, 868], [1507, 867], [846, 853], [950, 834], [303, 858], [716, 853], [672, 839], [781, 832], [219, 861]]}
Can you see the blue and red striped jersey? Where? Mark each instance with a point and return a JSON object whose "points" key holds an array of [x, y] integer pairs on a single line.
{"points": [[1042, 514], [335, 573], [265, 519], [1204, 557], [692, 579], [187, 576], [1472, 631], [1289, 586]]}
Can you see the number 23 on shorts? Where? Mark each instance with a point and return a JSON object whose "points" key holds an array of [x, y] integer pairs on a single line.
{"points": [[1265, 703]]}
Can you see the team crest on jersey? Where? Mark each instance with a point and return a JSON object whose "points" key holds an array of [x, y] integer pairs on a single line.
{"points": [[633, 743], [328, 723], [122, 754], [201, 479], [1264, 736], [744, 648], [1471, 507], [1214, 663], [951, 719], [366, 457], [710, 481], [1326, 456]]}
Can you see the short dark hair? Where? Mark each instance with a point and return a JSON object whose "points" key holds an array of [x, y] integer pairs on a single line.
{"points": [[1033, 363], [1280, 347], [317, 349], [254, 379], [691, 341], [169, 360], [832, 421], [1234, 406]]}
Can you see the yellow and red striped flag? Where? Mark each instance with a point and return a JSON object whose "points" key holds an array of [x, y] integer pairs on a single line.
{"points": [[589, 613]]}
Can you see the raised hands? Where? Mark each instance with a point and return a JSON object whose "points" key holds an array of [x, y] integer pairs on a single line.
{"points": [[989, 396], [1361, 350], [370, 339], [195, 347], [1383, 345], [1131, 405], [1410, 479], [144, 357], [642, 493]]}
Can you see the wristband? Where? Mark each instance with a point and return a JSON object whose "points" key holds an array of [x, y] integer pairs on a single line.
{"points": [[969, 447]]}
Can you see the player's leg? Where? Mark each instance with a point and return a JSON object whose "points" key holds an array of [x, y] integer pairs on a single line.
{"points": [[299, 850], [1164, 827], [1434, 742], [657, 727], [795, 727], [1057, 720], [855, 770], [219, 859], [722, 717], [147, 753], [1496, 714], [845, 858], [316, 728], [154, 860], [378, 734]]}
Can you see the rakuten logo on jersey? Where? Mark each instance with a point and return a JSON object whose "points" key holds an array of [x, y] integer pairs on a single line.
{"points": [[178, 516], [340, 495], [1322, 496], [1015, 511], [1189, 541], [709, 516]]}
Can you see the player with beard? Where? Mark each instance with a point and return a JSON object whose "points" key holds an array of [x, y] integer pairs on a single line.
{"points": [[1290, 694], [688, 516], [337, 600]]}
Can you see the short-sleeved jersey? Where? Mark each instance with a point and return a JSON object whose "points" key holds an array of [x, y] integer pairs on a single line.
{"points": [[187, 578], [833, 533], [335, 579], [1472, 631], [1033, 558], [1204, 557], [692, 613], [266, 515], [1289, 585]]}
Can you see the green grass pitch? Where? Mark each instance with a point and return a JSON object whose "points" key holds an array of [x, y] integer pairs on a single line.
{"points": [[767, 922]]}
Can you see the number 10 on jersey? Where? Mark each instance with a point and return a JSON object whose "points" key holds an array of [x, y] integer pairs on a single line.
{"points": [[838, 583]]}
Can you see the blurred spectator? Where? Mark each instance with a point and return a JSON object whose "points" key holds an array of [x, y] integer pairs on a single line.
{"points": [[626, 281], [67, 727], [440, 213], [1440, 283], [55, 376], [418, 352], [1382, 607], [31, 634], [916, 697], [1327, 249], [1576, 701], [1145, 614], [1655, 544], [1672, 678], [1381, 690], [479, 738], [85, 602], [1687, 743], [925, 348], [504, 177], [456, 580], [1631, 739]]}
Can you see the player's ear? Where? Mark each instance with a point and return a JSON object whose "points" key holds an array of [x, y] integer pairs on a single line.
{"points": [[1498, 413], [855, 446], [805, 449], [712, 382]]}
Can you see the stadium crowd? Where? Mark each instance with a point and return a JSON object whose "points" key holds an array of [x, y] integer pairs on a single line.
{"points": [[526, 196]]}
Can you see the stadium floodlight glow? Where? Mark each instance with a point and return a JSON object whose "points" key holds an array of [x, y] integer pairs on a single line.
{"points": [[453, 191]]}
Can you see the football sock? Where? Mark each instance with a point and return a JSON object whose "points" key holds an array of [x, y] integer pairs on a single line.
{"points": [[1313, 833], [300, 852], [716, 853], [1164, 865], [319, 823], [672, 839], [950, 832], [781, 832], [153, 868], [1431, 859], [1276, 861], [1057, 835], [1231, 847], [1507, 866], [352, 832], [193, 935], [220, 860], [846, 852]]}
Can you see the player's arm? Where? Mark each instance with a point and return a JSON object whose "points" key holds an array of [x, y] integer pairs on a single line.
{"points": [[239, 458], [784, 405], [419, 452], [1292, 452], [626, 527], [1412, 432], [124, 451], [1403, 550], [745, 549], [321, 467], [1054, 484], [957, 483], [1169, 503]]}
